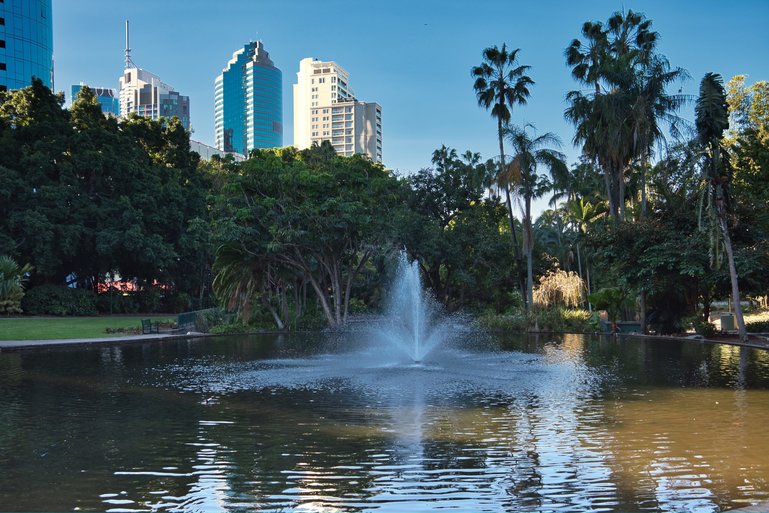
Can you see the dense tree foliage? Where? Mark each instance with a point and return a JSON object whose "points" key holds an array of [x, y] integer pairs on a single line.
{"points": [[304, 218], [85, 197]]}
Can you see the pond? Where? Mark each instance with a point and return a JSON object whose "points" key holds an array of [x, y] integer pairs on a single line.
{"points": [[310, 422]]}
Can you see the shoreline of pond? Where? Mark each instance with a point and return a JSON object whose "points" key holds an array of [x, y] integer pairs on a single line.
{"points": [[754, 342]]}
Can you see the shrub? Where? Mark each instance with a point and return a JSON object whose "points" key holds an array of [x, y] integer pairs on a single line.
{"points": [[59, 300], [542, 319], [12, 279], [514, 322], [757, 326], [706, 329], [562, 320]]}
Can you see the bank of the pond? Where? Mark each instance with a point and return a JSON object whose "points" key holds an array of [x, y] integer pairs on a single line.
{"points": [[755, 341]]}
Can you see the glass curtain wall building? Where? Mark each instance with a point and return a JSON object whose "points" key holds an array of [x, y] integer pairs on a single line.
{"points": [[26, 43], [248, 110], [108, 98]]}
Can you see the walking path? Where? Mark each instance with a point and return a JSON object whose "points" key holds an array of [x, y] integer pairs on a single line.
{"points": [[13, 345], [758, 508]]}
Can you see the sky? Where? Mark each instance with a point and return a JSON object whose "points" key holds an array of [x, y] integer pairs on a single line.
{"points": [[412, 57]]}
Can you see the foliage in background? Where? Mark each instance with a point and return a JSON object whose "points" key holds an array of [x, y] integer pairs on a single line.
{"points": [[12, 280], [83, 196], [59, 300]]}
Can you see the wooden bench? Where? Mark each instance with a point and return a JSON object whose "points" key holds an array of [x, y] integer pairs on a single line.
{"points": [[149, 327]]}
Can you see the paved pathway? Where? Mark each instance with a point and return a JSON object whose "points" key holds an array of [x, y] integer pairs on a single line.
{"points": [[13, 345], [758, 508]]}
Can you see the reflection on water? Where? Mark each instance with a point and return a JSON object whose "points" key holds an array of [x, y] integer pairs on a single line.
{"points": [[266, 423]]}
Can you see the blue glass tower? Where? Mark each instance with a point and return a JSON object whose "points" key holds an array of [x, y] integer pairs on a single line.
{"points": [[108, 98], [248, 110], [26, 43]]}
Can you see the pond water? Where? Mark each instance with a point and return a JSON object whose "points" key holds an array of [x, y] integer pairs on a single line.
{"points": [[556, 423]]}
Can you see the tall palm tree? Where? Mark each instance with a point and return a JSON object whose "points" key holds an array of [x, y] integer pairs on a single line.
{"points": [[529, 152], [712, 119], [500, 84], [652, 107], [608, 121]]}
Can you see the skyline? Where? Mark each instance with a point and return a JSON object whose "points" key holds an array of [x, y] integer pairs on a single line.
{"points": [[414, 60]]}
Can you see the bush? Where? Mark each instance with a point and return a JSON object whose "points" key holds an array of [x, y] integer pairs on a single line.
{"points": [[59, 300], [706, 329], [562, 320], [514, 322], [543, 319], [757, 326], [232, 329]]}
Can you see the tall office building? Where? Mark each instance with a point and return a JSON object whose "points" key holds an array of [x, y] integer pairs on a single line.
{"points": [[108, 98], [248, 106], [144, 93], [26, 43], [325, 109]]}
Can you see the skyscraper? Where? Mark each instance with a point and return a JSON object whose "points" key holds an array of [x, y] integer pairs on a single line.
{"points": [[144, 93], [325, 109], [248, 108], [26, 43], [108, 98]]}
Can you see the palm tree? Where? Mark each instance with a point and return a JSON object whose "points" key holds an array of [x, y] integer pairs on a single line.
{"points": [[609, 122], [652, 106], [712, 119], [500, 84], [529, 152]]}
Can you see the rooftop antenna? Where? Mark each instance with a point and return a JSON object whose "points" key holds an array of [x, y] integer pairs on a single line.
{"points": [[128, 62]]}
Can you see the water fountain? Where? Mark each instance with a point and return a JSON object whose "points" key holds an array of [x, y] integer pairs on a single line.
{"points": [[413, 322]]}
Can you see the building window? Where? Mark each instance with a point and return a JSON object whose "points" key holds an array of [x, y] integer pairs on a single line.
{"points": [[322, 80], [325, 111], [2, 43], [333, 88], [333, 80], [2, 21], [2, 66]]}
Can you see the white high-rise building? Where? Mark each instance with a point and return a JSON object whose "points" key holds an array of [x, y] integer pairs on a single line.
{"points": [[325, 109], [144, 93]]}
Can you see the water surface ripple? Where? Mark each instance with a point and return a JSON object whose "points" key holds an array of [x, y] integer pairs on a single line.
{"points": [[285, 423]]}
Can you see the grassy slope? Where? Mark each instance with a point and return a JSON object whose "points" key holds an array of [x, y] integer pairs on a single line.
{"points": [[47, 328]]}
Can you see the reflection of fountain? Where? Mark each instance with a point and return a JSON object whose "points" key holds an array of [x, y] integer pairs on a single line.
{"points": [[412, 321]]}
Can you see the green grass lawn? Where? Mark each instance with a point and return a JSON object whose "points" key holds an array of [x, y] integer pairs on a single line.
{"points": [[47, 328]]}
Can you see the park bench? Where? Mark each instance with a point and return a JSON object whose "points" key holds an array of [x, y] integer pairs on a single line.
{"points": [[186, 320], [149, 327]]}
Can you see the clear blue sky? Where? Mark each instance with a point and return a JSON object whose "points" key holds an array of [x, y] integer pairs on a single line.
{"points": [[412, 57]]}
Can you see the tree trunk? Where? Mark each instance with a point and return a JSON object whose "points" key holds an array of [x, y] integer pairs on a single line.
{"points": [[642, 305], [720, 210], [621, 195], [643, 186], [529, 253], [579, 266], [609, 181], [511, 216]]}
